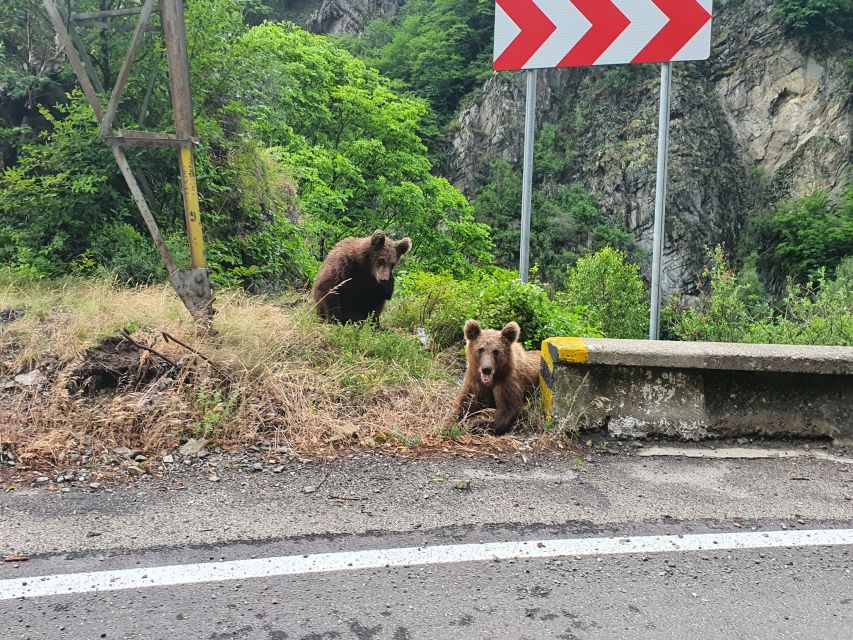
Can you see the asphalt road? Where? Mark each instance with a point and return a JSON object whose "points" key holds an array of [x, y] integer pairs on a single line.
{"points": [[372, 504]]}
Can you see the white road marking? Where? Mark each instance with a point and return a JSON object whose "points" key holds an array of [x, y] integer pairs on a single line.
{"points": [[73, 583]]}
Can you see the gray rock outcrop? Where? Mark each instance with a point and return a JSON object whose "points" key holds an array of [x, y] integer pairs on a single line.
{"points": [[338, 17]]}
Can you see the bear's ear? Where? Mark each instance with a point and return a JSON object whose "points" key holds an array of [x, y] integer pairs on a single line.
{"points": [[511, 332], [377, 240], [472, 330], [403, 246]]}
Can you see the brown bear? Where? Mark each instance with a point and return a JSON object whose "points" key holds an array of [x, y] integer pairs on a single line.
{"points": [[500, 374], [357, 277]]}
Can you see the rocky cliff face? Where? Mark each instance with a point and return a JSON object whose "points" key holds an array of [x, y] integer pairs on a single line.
{"points": [[335, 17], [759, 121], [349, 16]]}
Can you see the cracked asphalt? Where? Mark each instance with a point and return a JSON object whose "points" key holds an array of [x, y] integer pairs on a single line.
{"points": [[373, 502]]}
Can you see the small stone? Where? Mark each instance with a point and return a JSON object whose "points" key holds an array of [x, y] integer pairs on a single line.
{"points": [[213, 477], [42, 479], [168, 459], [125, 452], [439, 480], [258, 466], [461, 484], [309, 489], [140, 458], [278, 469], [94, 485], [202, 454], [30, 379], [136, 471], [192, 446]]}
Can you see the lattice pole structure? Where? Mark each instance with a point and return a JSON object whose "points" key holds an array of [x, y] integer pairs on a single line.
{"points": [[192, 285]]}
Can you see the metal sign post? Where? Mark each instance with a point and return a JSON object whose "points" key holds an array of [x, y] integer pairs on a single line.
{"points": [[527, 176], [543, 34], [660, 198]]}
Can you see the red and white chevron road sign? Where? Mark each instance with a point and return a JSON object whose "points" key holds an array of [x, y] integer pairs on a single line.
{"points": [[541, 34]]}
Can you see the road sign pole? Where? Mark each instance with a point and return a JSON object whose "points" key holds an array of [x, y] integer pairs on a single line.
{"points": [[660, 199], [527, 177]]}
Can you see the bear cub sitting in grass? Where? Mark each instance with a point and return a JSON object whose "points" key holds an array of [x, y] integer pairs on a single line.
{"points": [[357, 277], [500, 374]]}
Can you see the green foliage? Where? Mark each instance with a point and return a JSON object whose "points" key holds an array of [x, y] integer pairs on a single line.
{"points": [[803, 236], [302, 145], [120, 251], [820, 312], [442, 304], [216, 410], [436, 48], [365, 358], [817, 22], [566, 222], [613, 292], [60, 194]]}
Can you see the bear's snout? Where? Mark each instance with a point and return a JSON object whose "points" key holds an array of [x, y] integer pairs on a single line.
{"points": [[486, 374]]}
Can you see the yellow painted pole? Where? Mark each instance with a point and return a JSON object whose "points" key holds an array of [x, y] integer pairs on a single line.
{"points": [[192, 209]]}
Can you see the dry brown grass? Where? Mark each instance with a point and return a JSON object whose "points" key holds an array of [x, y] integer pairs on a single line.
{"points": [[275, 374]]}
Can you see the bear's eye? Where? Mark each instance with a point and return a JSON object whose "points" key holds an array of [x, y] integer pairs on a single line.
{"points": [[481, 350], [496, 353], [381, 263]]}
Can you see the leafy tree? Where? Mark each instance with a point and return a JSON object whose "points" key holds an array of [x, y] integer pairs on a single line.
{"points": [[436, 48], [803, 236], [566, 223], [302, 144], [817, 22], [613, 292]]}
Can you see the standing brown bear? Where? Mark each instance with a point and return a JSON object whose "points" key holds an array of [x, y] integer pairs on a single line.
{"points": [[357, 277], [500, 374]]}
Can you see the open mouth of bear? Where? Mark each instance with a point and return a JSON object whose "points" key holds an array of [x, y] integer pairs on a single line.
{"points": [[486, 378]]}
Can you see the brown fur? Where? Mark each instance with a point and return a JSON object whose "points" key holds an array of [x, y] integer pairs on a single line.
{"points": [[357, 277], [513, 373]]}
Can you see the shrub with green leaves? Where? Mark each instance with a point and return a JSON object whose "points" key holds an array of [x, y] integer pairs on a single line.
{"points": [[442, 304], [567, 221], [803, 236], [816, 22], [613, 292], [820, 312]]}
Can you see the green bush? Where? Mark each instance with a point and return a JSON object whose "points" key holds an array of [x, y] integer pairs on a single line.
{"points": [[437, 48], [803, 236], [613, 292], [819, 312], [567, 221], [442, 304], [817, 22]]}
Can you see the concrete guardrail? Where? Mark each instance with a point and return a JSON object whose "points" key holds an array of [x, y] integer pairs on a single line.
{"points": [[698, 390]]}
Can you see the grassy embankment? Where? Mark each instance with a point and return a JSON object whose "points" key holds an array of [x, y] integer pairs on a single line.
{"points": [[271, 373]]}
